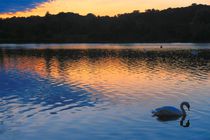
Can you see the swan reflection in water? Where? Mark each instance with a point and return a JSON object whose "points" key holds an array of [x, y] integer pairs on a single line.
{"points": [[170, 113], [181, 123]]}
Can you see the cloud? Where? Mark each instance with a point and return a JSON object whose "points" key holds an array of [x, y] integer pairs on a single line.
{"points": [[18, 5]]}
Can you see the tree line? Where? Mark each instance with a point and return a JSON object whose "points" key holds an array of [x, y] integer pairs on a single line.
{"points": [[185, 24]]}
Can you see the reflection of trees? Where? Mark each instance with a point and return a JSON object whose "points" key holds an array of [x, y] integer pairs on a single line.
{"points": [[133, 60], [171, 59], [181, 60], [1, 58], [37, 93]]}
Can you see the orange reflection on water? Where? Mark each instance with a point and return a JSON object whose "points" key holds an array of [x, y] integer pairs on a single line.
{"points": [[112, 76], [23, 64]]}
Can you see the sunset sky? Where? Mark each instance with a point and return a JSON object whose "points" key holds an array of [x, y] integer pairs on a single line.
{"points": [[9, 8]]}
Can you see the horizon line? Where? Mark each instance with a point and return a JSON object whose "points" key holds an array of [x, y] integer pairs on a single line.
{"points": [[9, 15]]}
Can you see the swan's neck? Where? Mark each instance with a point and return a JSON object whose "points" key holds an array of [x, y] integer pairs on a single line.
{"points": [[183, 111]]}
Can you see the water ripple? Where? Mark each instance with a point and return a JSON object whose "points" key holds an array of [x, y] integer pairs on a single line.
{"points": [[113, 90]]}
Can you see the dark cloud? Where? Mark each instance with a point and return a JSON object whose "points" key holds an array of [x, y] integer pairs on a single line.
{"points": [[18, 5]]}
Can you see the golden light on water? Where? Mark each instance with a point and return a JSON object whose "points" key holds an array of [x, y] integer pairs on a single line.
{"points": [[112, 75], [101, 91], [100, 7]]}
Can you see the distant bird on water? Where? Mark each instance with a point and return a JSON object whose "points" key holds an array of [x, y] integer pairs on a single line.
{"points": [[169, 112], [194, 52], [161, 46]]}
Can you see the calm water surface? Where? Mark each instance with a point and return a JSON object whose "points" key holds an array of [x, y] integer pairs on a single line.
{"points": [[97, 91]]}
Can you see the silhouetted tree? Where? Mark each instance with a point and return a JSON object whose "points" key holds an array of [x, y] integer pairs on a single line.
{"points": [[186, 24], [47, 14]]}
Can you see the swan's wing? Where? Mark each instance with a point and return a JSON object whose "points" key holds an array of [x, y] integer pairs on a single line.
{"points": [[167, 111], [169, 108]]}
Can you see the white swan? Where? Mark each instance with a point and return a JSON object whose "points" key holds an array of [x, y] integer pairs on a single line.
{"points": [[170, 111]]}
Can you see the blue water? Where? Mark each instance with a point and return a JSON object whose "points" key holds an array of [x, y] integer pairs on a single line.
{"points": [[103, 91]]}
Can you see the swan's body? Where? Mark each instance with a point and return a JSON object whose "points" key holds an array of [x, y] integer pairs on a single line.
{"points": [[167, 111], [170, 111]]}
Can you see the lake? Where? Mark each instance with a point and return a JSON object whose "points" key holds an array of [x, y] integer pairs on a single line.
{"points": [[103, 91]]}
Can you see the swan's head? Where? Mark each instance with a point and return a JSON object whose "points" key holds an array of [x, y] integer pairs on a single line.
{"points": [[186, 104]]}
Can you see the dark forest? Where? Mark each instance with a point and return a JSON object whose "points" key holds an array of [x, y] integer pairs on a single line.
{"points": [[185, 24]]}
